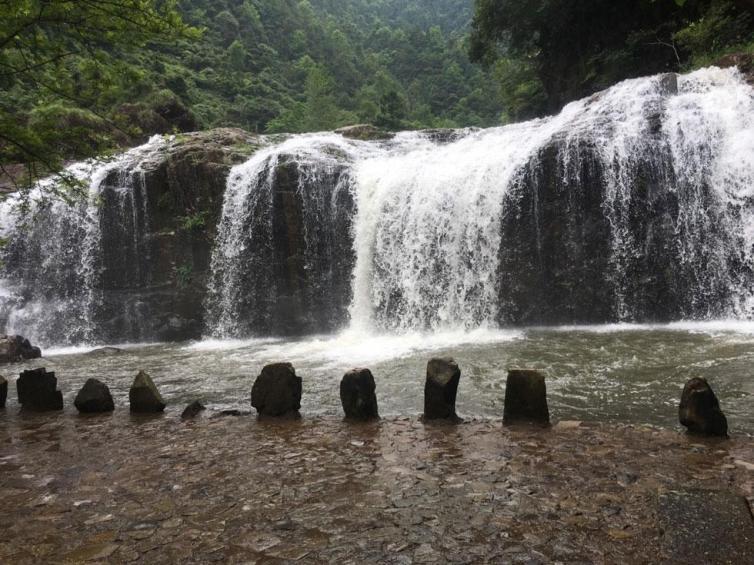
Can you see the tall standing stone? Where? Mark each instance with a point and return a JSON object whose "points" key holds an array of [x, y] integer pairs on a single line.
{"points": [[3, 391], [440, 388], [699, 409], [37, 391], [144, 396], [277, 391], [357, 395], [94, 398], [526, 398]]}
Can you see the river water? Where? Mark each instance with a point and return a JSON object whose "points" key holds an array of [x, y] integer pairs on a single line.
{"points": [[618, 373]]}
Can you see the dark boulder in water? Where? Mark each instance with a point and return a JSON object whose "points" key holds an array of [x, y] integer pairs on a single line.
{"points": [[14, 348], [193, 410], [700, 410], [105, 352], [357, 395], [37, 391], [144, 396], [440, 388], [3, 391], [94, 398], [277, 391], [526, 398]]}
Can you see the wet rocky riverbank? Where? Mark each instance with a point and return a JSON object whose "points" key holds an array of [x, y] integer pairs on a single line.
{"points": [[121, 488]]}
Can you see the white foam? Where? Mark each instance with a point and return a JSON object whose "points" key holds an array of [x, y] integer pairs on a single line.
{"points": [[352, 348]]}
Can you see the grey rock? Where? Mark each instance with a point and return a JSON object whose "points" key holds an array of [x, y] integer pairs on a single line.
{"points": [[526, 398], [94, 398], [669, 83], [699, 409], [3, 391], [357, 395], [14, 348], [37, 391], [193, 410], [440, 388], [277, 391], [144, 396], [105, 352], [364, 132]]}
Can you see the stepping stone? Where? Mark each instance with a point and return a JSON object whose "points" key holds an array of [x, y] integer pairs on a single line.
{"points": [[699, 410], [440, 389], [144, 396], [94, 398], [357, 395], [193, 410], [37, 391], [526, 398], [277, 391]]}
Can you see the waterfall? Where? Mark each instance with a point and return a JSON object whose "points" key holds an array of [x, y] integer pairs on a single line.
{"points": [[281, 251], [633, 205], [626, 206], [51, 289]]}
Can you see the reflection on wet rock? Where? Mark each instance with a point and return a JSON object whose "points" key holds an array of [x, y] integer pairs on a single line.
{"points": [[236, 490]]}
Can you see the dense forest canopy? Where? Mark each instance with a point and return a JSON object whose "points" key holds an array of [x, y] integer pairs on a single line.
{"points": [[81, 77], [262, 65], [552, 51]]}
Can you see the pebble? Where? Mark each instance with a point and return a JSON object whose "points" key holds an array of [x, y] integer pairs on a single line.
{"points": [[236, 490]]}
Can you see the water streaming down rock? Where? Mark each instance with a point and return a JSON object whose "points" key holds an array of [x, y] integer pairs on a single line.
{"points": [[632, 205], [60, 250], [283, 259]]}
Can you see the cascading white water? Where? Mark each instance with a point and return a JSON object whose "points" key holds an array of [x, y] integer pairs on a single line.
{"points": [[243, 279], [710, 131], [431, 218], [50, 290], [635, 204]]}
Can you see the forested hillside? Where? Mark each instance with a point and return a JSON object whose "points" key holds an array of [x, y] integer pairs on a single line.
{"points": [[80, 78], [549, 52], [262, 65], [301, 66]]}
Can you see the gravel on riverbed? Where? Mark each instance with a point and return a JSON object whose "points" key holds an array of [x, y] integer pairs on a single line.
{"points": [[122, 488]]}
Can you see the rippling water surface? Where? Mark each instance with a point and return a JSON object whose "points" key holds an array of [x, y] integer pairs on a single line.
{"points": [[625, 373]]}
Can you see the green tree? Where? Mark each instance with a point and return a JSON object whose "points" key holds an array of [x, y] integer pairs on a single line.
{"points": [[392, 110], [579, 46], [39, 44]]}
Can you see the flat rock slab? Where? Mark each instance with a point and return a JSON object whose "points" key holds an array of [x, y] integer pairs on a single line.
{"points": [[706, 526]]}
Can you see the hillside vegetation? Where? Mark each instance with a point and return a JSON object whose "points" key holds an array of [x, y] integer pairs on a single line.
{"points": [[81, 78]]}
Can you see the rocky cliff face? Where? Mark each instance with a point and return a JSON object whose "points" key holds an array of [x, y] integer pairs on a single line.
{"points": [[156, 252], [631, 206]]}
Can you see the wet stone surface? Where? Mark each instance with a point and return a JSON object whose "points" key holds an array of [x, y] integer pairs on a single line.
{"points": [[121, 489]]}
